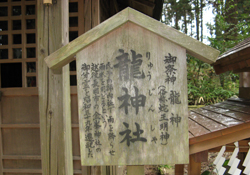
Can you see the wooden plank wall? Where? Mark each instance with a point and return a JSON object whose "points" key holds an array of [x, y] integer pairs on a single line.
{"points": [[20, 142], [20, 145]]}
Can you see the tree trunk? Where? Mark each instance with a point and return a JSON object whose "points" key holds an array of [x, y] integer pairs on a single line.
{"points": [[197, 16]]}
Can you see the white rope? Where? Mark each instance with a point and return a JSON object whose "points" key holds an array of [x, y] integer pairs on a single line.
{"points": [[246, 162], [234, 162]]}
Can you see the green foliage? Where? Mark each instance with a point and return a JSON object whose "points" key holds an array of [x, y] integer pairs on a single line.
{"points": [[231, 26], [226, 163], [204, 86], [232, 23]]}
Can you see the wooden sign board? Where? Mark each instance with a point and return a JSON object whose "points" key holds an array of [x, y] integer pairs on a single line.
{"points": [[132, 97]]}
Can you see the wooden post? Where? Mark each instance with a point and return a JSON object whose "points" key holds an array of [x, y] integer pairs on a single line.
{"points": [[179, 169], [51, 36], [138, 170], [194, 168], [66, 96]]}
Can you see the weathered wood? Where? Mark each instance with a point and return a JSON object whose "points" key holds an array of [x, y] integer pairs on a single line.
{"points": [[95, 20], [67, 121], [66, 96], [194, 168], [84, 40], [50, 38], [219, 141], [42, 25], [19, 132], [138, 153], [194, 47], [179, 169], [138, 170], [11, 137], [216, 134], [17, 110]]}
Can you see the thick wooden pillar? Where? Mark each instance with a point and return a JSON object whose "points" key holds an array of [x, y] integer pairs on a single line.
{"points": [[195, 160], [179, 169], [67, 128], [52, 28]]}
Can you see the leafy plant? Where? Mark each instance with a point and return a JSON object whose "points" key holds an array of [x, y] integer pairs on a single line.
{"points": [[205, 87]]}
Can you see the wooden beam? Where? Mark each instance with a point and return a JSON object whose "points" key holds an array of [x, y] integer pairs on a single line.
{"points": [[30, 91], [50, 38], [197, 49], [61, 58], [219, 141], [243, 146], [20, 126], [246, 69]]}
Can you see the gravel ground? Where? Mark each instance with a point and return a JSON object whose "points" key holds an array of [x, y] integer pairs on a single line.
{"points": [[154, 170]]}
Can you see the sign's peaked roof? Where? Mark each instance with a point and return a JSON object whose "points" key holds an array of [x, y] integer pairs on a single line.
{"points": [[195, 48]]}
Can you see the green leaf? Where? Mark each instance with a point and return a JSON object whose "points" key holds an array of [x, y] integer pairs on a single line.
{"points": [[225, 163], [205, 172]]}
